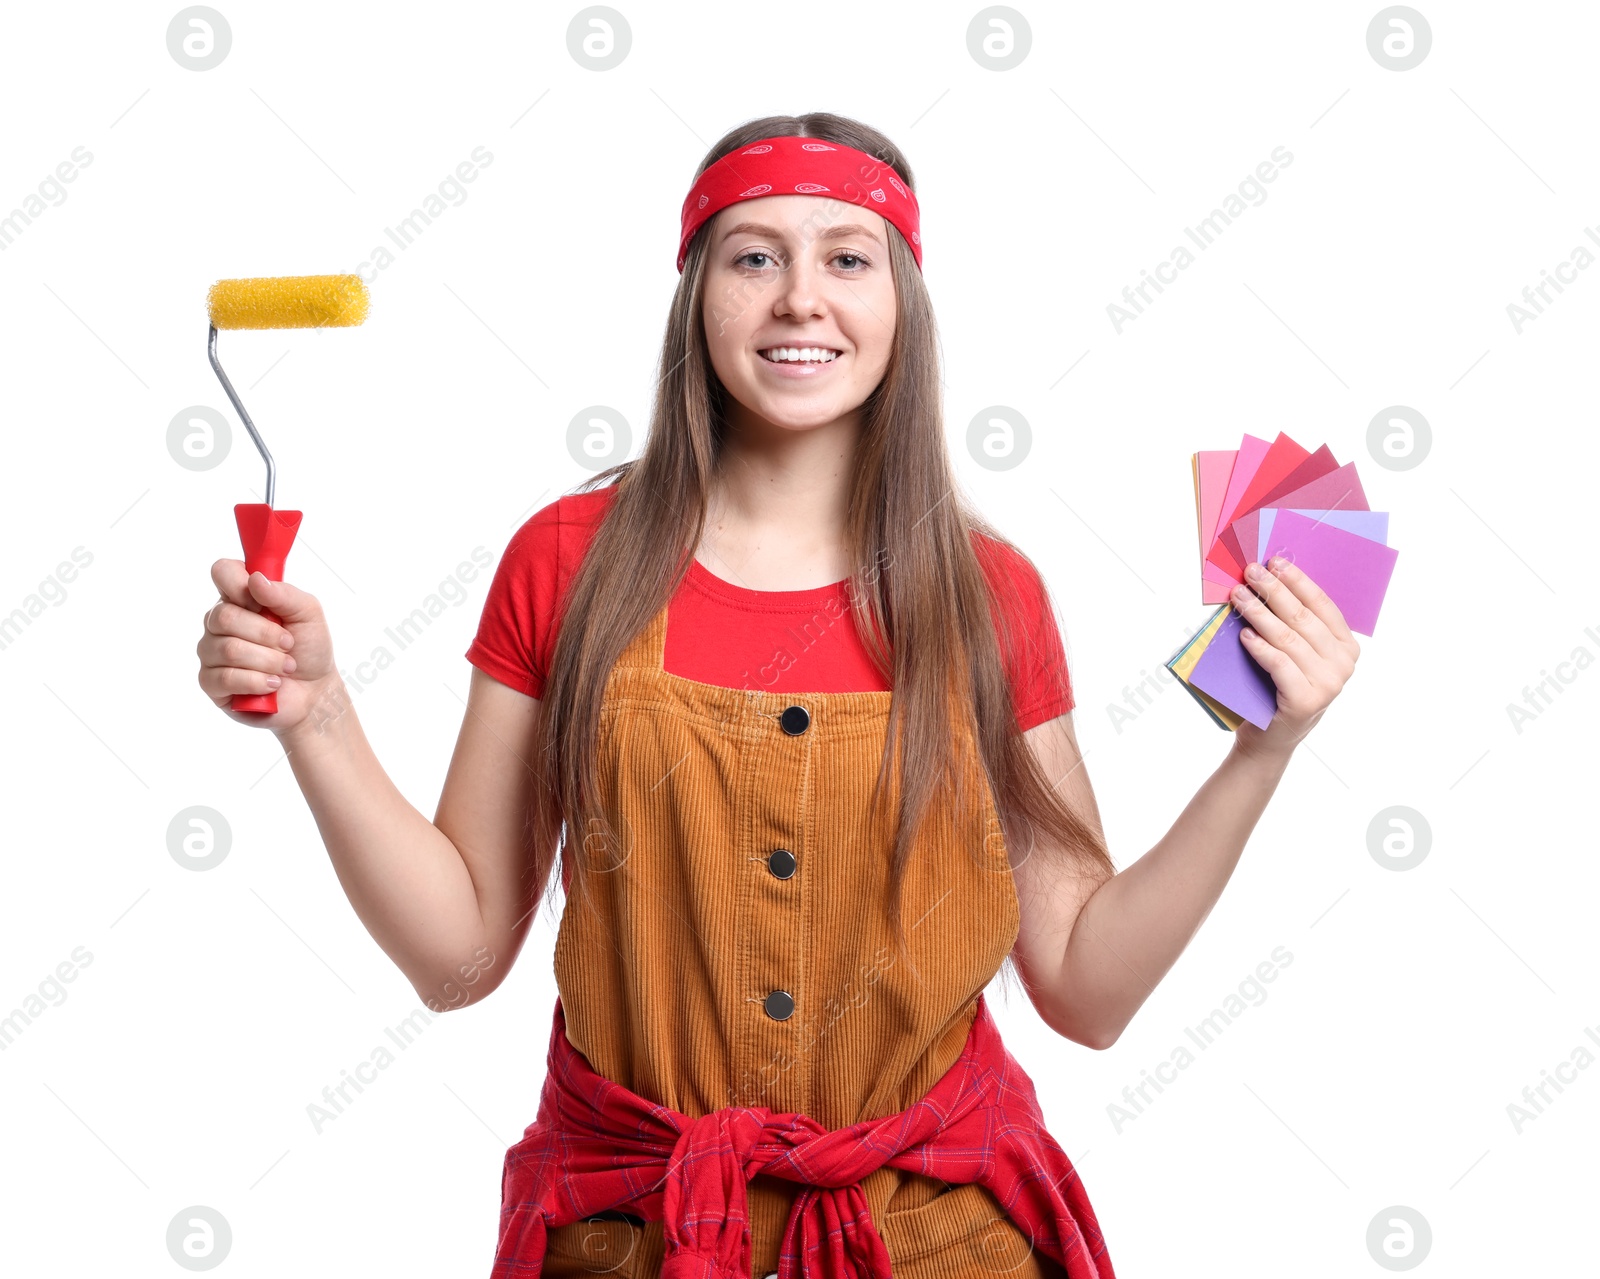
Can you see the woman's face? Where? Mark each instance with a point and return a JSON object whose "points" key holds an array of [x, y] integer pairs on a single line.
{"points": [[798, 271]]}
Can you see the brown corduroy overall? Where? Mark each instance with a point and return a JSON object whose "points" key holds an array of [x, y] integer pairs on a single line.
{"points": [[734, 948]]}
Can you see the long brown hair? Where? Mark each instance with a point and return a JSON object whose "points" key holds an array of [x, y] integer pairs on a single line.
{"points": [[921, 602]]}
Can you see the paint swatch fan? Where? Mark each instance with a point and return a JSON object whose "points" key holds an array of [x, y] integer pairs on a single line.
{"points": [[1252, 503]]}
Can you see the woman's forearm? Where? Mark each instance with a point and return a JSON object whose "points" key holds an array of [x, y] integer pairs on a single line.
{"points": [[1136, 924], [406, 880]]}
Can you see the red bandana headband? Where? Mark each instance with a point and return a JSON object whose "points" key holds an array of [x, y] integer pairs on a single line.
{"points": [[802, 166]]}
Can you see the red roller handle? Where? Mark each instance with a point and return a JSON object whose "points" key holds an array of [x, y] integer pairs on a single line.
{"points": [[267, 536]]}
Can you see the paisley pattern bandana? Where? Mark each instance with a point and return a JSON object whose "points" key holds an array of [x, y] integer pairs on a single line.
{"points": [[802, 166]]}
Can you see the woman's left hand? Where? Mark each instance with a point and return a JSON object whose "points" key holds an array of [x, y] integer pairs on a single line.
{"points": [[1299, 637]]}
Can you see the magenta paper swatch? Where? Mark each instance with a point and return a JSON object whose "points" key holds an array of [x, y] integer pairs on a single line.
{"points": [[1373, 525], [1338, 490], [1354, 571], [1252, 450]]}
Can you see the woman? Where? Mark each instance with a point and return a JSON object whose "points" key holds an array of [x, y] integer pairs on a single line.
{"points": [[786, 886]]}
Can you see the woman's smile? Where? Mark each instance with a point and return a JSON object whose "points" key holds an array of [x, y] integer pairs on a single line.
{"points": [[807, 365]]}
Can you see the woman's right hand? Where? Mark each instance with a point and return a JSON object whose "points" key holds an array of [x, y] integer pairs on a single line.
{"points": [[243, 652]]}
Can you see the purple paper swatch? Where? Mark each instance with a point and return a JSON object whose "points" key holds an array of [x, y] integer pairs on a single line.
{"points": [[1354, 571], [1231, 675]]}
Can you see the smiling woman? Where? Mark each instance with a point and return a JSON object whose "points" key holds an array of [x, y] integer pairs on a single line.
{"points": [[790, 895]]}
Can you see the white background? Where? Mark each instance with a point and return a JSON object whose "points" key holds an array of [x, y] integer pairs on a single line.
{"points": [[1418, 1004]]}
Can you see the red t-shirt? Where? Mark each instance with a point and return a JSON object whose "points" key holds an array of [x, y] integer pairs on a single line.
{"points": [[732, 636]]}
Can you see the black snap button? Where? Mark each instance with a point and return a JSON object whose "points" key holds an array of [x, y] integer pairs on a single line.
{"points": [[779, 1004], [795, 720], [781, 862]]}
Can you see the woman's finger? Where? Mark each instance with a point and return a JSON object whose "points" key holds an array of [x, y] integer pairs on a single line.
{"points": [[1293, 685], [1273, 629], [223, 618], [223, 651], [222, 682], [229, 577], [1287, 604], [1314, 598]]}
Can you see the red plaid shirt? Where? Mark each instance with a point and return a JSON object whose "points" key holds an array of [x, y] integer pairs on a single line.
{"points": [[595, 1146]]}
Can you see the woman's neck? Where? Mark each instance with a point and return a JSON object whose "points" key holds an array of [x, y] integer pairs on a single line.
{"points": [[776, 517]]}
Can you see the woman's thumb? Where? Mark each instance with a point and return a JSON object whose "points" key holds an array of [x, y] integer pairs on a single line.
{"points": [[290, 603]]}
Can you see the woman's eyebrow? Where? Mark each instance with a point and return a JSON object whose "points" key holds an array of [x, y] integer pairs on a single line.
{"points": [[830, 233]]}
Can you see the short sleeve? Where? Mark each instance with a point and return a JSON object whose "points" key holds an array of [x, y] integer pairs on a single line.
{"points": [[516, 631], [1035, 657]]}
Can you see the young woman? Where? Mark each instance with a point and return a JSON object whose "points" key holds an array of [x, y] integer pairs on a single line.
{"points": [[798, 722]]}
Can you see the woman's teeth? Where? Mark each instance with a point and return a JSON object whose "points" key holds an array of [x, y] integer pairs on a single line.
{"points": [[799, 354]]}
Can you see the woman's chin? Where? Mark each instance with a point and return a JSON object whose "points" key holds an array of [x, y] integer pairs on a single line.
{"points": [[796, 423]]}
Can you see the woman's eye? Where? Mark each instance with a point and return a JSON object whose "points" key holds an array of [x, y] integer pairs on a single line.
{"points": [[860, 262]]}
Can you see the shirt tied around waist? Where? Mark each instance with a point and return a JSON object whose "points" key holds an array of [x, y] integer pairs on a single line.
{"points": [[596, 1145]]}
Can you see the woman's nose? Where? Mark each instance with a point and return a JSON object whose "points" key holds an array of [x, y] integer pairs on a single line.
{"points": [[799, 288]]}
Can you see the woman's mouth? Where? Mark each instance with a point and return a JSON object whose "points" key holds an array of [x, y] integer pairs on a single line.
{"points": [[799, 354], [799, 361]]}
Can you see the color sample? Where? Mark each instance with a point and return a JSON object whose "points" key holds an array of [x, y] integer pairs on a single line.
{"points": [[1266, 499]]}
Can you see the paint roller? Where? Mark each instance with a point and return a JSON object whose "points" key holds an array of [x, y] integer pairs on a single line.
{"points": [[275, 302]]}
